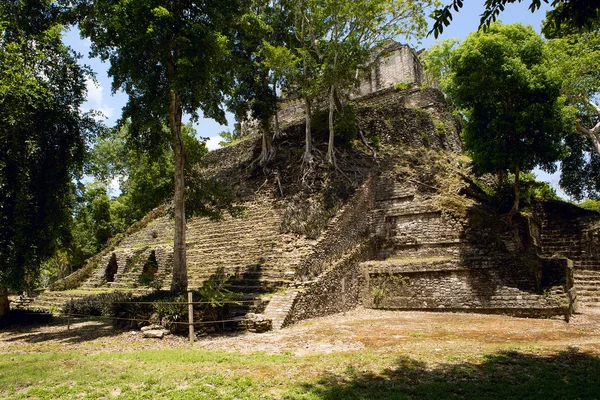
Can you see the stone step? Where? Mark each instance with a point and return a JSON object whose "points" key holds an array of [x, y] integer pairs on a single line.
{"points": [[587, 275], [234, 244], [266, 277], [224, 228], [410, 265], [589, 299], [279, 307], [587, 292], [587, 285], [202, 241]]}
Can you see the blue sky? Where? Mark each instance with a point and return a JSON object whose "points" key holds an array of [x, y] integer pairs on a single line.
{"points": [[464, 22]]}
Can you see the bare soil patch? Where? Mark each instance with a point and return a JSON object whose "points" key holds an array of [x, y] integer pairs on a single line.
{"points": [[360, 329]]}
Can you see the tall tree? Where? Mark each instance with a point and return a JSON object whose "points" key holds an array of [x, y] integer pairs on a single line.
{"points": [[352, 30], [43, 137], [515, 114], [574, 63], [171, 58], [253, 96], [336, 38]]}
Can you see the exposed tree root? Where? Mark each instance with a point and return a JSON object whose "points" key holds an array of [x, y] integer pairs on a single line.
{"points": [[364, 140]]}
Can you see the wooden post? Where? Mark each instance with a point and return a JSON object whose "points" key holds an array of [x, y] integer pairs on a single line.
{"points": [[69, 315], [191, 316], [344, 295]]}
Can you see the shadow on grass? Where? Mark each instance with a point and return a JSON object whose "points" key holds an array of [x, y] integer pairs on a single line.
{"points": [[80, 331], [507, 375]]}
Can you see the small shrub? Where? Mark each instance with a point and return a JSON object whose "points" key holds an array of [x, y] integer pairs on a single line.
{"points": [[376, 141], [426, 140], [101, 304], [403, 86], [440, 127]]}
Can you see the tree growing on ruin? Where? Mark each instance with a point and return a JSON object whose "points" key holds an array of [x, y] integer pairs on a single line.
{"points": [[337, 38], [257, 49], [515, 116], [170, 58]]}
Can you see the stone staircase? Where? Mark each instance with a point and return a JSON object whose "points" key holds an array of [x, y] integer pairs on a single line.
{"points": [[427, 261], [279, 307], [588, 288], [565, 233], [249, 251]]}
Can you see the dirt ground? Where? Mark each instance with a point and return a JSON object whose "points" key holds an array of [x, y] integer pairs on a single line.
{"points": [[359, 329]]}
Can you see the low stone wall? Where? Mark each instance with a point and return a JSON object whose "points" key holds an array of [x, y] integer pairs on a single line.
{"points": [[485, 285]]}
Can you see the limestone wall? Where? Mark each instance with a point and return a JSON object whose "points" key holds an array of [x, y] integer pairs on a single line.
{"points": [[348, 229], [395, 64], [568, 231], [431, 261]]}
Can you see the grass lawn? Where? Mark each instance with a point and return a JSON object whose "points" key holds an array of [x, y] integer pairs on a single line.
{"points": [[419, 364]]}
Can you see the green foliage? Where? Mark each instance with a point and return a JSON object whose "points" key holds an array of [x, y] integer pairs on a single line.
{"points": [[145, 181], [101, 304], [425, 139], [440, 127], [170, 58], [403, 86], [573, 64], [345, 125], [229, 137], [159, 306], [590, 204], [515, 114], [436, 62], [530, 189], [567, 15], [43, 138], [376, 142]]}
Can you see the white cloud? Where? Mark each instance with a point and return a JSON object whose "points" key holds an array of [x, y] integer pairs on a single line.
{"points": [[94, 91], [114, 187], [95, 99], [213, 142]]}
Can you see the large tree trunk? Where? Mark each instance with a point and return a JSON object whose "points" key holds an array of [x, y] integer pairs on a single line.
{"points": [[4, 304], [515, 208], [267, 145], [593, 134], [308, 157], [179, 282], [277, 133], [330, 154]]}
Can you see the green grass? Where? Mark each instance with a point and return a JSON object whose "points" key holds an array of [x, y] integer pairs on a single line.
{"points": [[190, 373]]}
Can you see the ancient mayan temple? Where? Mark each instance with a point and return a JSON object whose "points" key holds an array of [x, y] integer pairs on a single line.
{"points": [[405, 227]]}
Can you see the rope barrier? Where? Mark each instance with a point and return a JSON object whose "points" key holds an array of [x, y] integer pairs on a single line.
{"points": [[92, 317]]}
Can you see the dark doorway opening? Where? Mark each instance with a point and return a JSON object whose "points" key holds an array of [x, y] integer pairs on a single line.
{"points": [[150, 269], [111, 268]]}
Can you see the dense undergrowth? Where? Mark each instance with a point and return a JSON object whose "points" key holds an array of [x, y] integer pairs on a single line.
{"points": [[124, 310]]}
